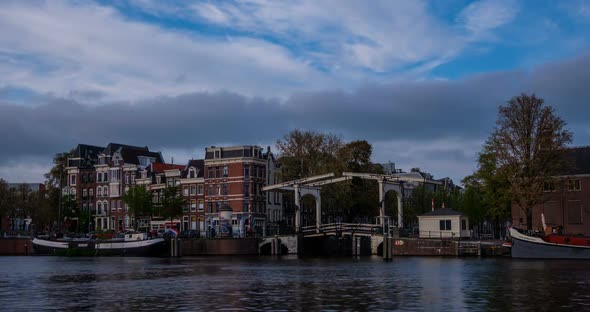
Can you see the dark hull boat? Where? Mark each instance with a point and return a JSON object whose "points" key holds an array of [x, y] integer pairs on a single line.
{"points": [[143, 248], [549, 247]]}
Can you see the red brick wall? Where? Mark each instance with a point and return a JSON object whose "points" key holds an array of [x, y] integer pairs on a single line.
{"points": [[555, 209], [15, 246]]}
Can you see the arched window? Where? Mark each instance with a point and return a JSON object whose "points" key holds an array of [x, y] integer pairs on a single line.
{"points": [[98, 191], [105, 204], [98, 207], [105, 191]]}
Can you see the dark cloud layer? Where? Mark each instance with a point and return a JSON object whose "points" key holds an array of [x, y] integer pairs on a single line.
{"points": [[421, 111]]}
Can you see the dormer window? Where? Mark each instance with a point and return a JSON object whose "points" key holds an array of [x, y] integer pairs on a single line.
{"points": [[191, 173], [217, 154], [116, 161]]}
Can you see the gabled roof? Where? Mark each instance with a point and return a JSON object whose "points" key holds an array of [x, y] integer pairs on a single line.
{"points": [[580, 160], [160, 167], [88, 151], [113, 147], [442, 212], [199, 164]]}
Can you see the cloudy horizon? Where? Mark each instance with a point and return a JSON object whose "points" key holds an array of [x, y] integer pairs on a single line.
{"points": [[419, 80]]}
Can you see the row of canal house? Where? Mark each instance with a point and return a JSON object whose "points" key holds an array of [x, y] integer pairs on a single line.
{"points": [[98, 177]]}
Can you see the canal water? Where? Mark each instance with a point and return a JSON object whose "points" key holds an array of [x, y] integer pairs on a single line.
{"points": [[291, 283]]}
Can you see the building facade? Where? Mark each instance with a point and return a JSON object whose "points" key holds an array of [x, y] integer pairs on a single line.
{"points": [[98, 177], [566, 200], [234, 176]]}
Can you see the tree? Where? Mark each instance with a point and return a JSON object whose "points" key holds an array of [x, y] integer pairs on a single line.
{"points": [[139, 200], [55, 180], [172, 203], [5, 200], [528, 148]]}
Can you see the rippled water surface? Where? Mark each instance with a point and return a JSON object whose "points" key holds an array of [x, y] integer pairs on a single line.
{"points": [[290, 283]]}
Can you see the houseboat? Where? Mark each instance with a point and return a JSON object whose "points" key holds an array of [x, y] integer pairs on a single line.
{"points": [[553, 246], [132, 244]]}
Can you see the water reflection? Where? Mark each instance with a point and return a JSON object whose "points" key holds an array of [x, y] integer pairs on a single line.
{"points": [[289, 283]]}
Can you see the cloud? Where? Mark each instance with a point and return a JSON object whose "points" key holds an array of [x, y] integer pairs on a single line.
{"points": [[429, 124], [63, 48], [480, 17]]}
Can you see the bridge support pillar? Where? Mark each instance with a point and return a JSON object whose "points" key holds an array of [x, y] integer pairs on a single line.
{"points": [[318, 213], [297, 209], [400, 211]]}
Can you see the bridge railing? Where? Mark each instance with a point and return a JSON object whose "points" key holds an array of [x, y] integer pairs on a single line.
{"points": [[342, 228]]}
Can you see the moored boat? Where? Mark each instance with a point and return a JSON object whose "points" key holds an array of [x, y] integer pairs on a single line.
{"points": [[549, 246], [132, 244]]}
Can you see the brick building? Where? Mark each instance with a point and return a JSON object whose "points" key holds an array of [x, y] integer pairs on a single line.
{"points": [[98, 177], [234, 176], [566, 201]]}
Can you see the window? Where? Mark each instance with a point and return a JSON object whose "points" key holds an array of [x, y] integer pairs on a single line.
{"points": [[246, 206], [105, 191], [574, 212], [246, 171], [210, 190], [217, 154], [463, 225], [73, 179], [200, 189], [158, 179], [105, 205], [193, 189], [127, 178], [217, 206], [201, 205], [445, 225], [185, 190], [98, 191], [193, 205], [91, 192], [84, 178], [210, 172], [225, 171], [170, 181], [549, 186], [105, 177], [553, 212], [99, 177], [246, 189], [573, 185], [217, 175], [217, 190], [191, 173], [224, 190], [98, 208], [116, 161], [84, 193], [90, 206], [210, 207]]}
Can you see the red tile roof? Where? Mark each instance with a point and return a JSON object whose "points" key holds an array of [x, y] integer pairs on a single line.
{"points": [[158, 167]]}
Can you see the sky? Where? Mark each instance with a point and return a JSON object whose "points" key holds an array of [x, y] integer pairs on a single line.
{"points": [[420, 80]]}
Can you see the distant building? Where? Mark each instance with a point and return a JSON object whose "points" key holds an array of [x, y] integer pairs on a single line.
{"points": [[21, 222], [566, 201], [274, 200], [443, 223]]}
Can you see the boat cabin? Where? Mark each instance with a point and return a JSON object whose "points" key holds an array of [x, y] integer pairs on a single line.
{"points": [[135, 236]]}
